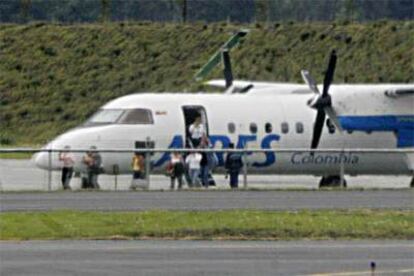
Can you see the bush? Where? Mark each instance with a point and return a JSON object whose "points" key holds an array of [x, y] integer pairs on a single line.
{"points": [[72, 70], [6, 139]]}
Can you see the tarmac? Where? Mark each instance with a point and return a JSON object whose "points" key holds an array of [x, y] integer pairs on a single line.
{"points": [[154, 257], [166, 257], [23, 175], [207, 200]]}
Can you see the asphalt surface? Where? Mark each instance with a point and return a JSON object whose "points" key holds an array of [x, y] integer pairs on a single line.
{"points": [[207, 200], [206, 258], [23, 175]]}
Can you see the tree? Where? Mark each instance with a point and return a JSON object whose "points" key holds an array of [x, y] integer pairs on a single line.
{"points": [[25, 6], [183, 5], [105, 10], [184, 10], [262, 8]]}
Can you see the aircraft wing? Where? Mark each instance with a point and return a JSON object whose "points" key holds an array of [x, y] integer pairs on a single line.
{"points": [[399, 92], [262, 87], [219, 83]]}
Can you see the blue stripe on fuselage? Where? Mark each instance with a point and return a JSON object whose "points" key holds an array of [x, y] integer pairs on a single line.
{"points": [[403, 125]]}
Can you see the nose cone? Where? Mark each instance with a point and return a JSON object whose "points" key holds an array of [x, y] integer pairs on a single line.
{"points": [[47, 161], [76, 138], [41, 159]]}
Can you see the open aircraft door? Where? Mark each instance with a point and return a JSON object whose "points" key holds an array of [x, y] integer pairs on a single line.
{"points": [[190, 112]]}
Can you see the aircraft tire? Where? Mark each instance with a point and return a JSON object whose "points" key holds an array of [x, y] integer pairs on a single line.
{"points": [[331, 181]]}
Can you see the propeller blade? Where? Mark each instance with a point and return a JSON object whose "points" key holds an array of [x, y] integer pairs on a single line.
{"points": [[246, 88], [317, 128], [323, 103], [329, 73], [307, 78], [230, 90], [334, 118], [228, 74]]}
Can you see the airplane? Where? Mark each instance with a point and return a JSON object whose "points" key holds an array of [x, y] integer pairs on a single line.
{"points": [[259, 115]]}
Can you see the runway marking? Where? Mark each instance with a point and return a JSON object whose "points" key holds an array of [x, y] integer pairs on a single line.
{"points": [[366, 272]]}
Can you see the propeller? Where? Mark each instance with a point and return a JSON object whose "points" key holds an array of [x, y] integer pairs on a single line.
{"points": [[322, 102], [227, 71]]}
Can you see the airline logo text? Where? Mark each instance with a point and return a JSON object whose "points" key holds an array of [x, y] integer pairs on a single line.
{"points": [[297, 158]]}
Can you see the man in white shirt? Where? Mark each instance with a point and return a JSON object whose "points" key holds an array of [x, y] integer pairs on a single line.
{"points": [[193, 162], [67, 169], [197, 131]]}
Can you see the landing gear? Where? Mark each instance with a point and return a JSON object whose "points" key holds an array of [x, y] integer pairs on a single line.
{"points": [[331, 181]]}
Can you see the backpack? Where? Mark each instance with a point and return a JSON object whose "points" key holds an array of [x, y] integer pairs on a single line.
{"points": [[234, 162]]}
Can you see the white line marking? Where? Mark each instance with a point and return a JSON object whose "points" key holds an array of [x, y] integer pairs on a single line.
{"points": [[366, 272]]}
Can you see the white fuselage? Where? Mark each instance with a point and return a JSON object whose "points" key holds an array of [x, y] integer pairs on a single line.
{"points": [[282, 120]]}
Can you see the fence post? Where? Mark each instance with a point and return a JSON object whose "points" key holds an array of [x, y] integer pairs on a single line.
{"points": [[49, 175], [147, 162], [147, 168], [341, 171], [115, 170], [244, 169]]}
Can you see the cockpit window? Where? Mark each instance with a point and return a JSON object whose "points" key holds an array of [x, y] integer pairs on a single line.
{"points": [[136, 116], [105, 116], [121, 116]]}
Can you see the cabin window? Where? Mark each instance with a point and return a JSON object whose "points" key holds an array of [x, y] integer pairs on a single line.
{"points": [[299, 127], [231, 128], [268, 128], [105, 116], [253, 128], [136, 116], [285, 127]]}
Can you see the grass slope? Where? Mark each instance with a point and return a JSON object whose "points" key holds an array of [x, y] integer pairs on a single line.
{"points": [[54, 76], [237, 224]]}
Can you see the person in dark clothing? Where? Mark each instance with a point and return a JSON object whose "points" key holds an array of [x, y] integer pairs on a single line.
{"points": [[204, 170], [207, 163], [233, 165], [176, 170], [93, 161]]}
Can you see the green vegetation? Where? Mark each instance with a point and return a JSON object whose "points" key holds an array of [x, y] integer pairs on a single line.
{"points": [[54, 76], [16, 155], [239, 224]]}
